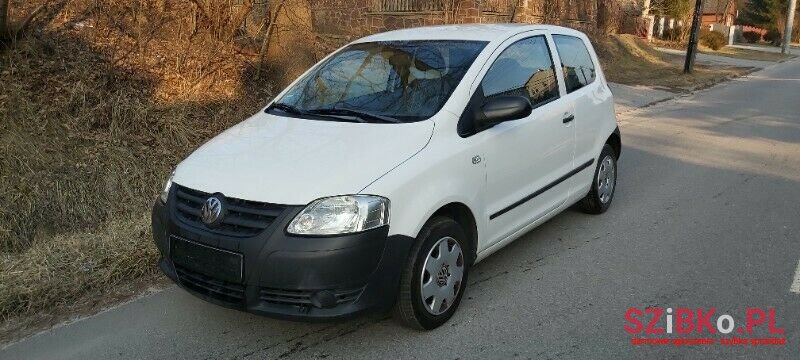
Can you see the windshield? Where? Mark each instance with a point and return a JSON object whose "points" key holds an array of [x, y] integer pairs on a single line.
{"points": [[393, 81]]}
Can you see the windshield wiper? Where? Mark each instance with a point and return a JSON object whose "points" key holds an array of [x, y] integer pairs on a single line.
{"points": [[288, 108], [314, 113], [356, 113]]}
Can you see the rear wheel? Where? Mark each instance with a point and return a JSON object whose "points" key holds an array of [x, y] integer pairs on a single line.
{"points": [[604, 183], [435, 276]]}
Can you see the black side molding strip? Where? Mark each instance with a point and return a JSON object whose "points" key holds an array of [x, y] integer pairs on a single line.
{"points": [[542, 190]]}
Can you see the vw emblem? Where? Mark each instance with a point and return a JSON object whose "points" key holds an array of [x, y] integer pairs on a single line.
{"points": [[211, 212]]}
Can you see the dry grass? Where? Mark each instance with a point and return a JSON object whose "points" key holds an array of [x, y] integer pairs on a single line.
{"points": [[50, 273], [629, 60], [83, 143], [97, 106], [94, 117]]}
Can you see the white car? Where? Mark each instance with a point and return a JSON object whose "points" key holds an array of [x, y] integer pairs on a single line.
{"points": [[386, 171]]}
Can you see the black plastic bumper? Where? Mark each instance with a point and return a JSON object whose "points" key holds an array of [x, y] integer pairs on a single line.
{"points": [[290, 277]]}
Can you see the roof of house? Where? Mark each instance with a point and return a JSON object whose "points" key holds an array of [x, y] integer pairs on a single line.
{"points": [[719, 6], [478, 32]]}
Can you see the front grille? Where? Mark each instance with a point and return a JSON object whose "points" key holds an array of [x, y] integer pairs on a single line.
{"points": [[243, 218], [303, 297], [221, 290]]}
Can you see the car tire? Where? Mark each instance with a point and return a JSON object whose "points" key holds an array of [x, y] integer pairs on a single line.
{"points": [[430, 288], [604, 183]]}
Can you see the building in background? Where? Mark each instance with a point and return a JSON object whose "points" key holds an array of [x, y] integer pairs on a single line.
{"points": [[722, 12]]}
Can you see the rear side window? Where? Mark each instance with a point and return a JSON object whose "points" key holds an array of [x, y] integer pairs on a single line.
{"points": [[579, 70], [523, 69]]}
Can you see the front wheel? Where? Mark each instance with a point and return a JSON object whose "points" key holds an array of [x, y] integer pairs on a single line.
{"points": [[435, 276], [604, 183]]}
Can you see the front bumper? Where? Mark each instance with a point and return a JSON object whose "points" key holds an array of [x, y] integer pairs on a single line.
{"points": [[287, 276]]}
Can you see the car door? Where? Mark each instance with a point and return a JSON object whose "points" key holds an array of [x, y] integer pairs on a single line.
{"points": [[586, 90], [526, 159]]}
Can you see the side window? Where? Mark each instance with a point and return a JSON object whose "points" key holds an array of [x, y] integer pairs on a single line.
{"points": [[576, 62], [524, 69]]}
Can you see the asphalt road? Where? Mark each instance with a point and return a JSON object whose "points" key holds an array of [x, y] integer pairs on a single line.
{"points": [[705, 216]]}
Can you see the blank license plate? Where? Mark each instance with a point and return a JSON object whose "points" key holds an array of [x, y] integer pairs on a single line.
{"points": [[216, 263]]}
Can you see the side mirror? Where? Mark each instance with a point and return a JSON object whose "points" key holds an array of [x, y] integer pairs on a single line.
{"points": [[503, 108]]}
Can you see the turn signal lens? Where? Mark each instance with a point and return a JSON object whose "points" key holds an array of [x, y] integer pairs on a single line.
{"points": [[165, 193]]}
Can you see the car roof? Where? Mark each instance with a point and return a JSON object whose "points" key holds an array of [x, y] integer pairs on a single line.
{"points": [[475, 32]]}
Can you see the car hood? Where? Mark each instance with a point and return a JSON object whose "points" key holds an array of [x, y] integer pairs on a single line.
{"points": [[291, 161]]}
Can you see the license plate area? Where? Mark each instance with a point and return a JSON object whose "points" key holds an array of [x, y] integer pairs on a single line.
{"points": [[216, 263]]}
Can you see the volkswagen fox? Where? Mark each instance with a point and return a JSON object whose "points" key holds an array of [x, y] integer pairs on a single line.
{"points": [[379, 177]]}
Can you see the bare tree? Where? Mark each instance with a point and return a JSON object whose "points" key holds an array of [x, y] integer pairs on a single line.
{"points": [[222, 19], [268, 34], [289, 40], [4, 31], [450, 10], [514, 7]]}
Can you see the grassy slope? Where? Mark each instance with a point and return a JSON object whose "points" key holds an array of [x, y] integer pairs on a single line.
{"points": [[92, 120], [629, 60]]}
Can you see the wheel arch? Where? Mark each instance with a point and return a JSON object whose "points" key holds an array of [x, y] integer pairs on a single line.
{"points": [[615, 140], [462, 214]]}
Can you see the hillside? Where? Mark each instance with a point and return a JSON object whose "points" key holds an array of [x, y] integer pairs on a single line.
{"points": [[629, 60], [98, 103]]}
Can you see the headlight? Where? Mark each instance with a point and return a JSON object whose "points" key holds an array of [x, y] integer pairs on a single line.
{"points": [[341, 215], [165, 193]]}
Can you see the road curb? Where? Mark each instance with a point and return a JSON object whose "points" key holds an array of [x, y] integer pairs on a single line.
{"points": [[701, 89]]}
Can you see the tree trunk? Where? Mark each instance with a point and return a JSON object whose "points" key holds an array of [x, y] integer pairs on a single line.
{"points": [[21, 29], [4, 31], [267, 35], [513, 16], [645, 8]]}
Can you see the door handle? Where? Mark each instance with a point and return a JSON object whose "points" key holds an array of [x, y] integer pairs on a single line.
{"points": [[569, 119]]}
